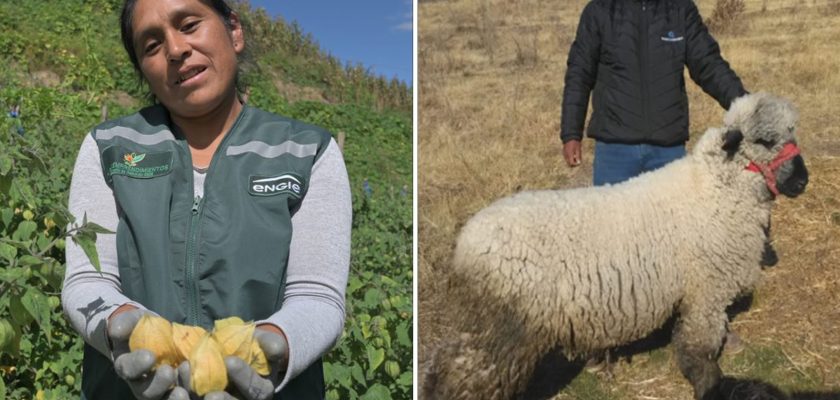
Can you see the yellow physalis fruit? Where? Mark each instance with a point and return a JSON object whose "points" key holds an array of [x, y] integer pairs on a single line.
{"points": [[207, 367], [257, 359], [221, 323], [185, 338], [237, 339], [28, 215], [154, 333]]}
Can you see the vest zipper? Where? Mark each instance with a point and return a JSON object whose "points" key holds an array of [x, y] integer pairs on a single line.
{"points": [[190, 278], [191, 282], [643, 69]]}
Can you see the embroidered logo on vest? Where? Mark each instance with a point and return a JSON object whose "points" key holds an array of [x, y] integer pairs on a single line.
{"points": [[118, 161], [290, 184], [131, 159]]}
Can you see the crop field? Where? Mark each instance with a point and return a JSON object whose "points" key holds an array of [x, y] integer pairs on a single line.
{"points": [[490, 87]]}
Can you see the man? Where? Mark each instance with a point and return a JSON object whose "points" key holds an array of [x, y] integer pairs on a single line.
{"points": [[630, 55]]}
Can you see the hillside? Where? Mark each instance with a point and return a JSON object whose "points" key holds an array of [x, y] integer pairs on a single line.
{"points": [[490, 86], [64, 67]]}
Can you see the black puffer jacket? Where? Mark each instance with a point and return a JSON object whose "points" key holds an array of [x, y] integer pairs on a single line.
{"points": [[630, 55]]}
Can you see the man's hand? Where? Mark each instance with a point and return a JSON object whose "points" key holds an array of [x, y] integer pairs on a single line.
{"points": [[242, 378], [571, 152], [135, 367]]}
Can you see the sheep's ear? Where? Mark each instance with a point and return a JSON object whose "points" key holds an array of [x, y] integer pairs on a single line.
{"points": [[731, 141]]}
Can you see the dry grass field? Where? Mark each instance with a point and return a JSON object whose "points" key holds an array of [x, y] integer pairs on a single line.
{"points": [[490, 86]]}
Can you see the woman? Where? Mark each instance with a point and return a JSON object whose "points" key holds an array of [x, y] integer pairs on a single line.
{"points": [[219, 210]]}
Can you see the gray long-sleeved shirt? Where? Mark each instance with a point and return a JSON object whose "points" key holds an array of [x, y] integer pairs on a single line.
{"points": [[312, 316]]}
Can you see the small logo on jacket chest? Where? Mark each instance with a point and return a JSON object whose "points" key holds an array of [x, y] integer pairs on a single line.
{"points": [[671, 37], [290, 184]]}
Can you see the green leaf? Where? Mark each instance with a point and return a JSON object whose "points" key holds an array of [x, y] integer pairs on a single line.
{"points": [[9, 275], [2, 388], [8, 252], [27, 259], [38, 307], [25, 230], [406, 379], [375, 358], [5, 186], [358, 374], [43, 241], [340, 374], [377, 391], [353, 284], [95, 228], [88, 244], [139, 158], [373, 297], [388, 281], [403, 334], [18, 311], [5, 164], [366, 331], [7, 213]]}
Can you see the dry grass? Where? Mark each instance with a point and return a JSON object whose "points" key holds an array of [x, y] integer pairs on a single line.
{"points": [[490, 85]]}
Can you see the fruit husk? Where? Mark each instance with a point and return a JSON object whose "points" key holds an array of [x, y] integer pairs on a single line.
{"points": [[207, 367], [185, 338], [257, 359], [154, 333], [221, 323], [236, 338]]}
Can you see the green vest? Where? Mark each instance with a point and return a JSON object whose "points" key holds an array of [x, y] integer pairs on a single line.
{"points": [[195, 260]]}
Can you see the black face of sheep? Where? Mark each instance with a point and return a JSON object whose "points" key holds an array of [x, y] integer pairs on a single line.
{"points": [[793, 177], [785, 174], [761, 131]]}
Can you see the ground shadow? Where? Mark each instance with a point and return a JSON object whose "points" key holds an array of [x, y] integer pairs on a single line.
{"points": [[554, 371], [751, 389]]}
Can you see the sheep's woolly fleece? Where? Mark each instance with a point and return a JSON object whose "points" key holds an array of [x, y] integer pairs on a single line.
{"points": [[592, 268]]}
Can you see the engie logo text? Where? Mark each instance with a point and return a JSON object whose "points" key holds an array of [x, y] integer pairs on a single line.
{"points": [[273, 185]]}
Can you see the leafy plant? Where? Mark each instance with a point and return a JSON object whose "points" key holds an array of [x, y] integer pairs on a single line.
{"points": [[77, 40], [40, 353]]}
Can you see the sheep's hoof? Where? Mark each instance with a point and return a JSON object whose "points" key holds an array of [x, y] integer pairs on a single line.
{"points": [[600, 364], [732, 344]]}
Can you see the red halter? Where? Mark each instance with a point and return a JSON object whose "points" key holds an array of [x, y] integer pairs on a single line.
{"points": [[789, 151]]}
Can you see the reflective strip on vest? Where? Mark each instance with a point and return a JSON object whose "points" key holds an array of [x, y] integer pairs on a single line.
{"points": [[134, 136], [272, 151]]}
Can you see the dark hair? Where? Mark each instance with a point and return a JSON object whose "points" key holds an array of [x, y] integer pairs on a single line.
{"points": [[127, 31]]}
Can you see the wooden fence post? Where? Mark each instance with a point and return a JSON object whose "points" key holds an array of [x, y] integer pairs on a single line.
{"points": [[341, 138]]}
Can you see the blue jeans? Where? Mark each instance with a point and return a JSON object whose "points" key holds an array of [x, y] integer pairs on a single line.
{"points": [[616, 162]]}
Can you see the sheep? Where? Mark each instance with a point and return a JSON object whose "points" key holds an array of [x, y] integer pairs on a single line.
{"points": [[588, 269]]}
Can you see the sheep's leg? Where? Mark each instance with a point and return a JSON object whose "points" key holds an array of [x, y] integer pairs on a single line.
{"points": [[472, 368], [698, 339]]}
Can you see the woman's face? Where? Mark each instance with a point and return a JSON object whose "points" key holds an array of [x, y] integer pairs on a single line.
{"points": [[187, 54]]}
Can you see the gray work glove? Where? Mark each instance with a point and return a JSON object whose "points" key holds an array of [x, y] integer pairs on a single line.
{"points": [[135, 366], [244, 382]]}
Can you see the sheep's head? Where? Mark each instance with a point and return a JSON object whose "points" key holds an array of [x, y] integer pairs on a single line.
{"points": [[760, 130]]}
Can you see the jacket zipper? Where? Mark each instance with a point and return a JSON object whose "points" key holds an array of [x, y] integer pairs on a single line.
{"points": [[192, 253], [190, 278], [643, 68]]}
